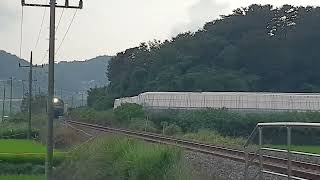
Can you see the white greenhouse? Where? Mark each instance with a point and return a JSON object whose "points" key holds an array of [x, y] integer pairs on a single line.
{"points": [[228, 100]]}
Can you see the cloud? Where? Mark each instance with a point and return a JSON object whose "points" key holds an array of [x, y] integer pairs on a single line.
{"points": [[7, 14], [201, 12]]}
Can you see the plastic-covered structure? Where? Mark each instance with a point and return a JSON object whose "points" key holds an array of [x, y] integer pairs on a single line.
{"points": [[228, 100]]}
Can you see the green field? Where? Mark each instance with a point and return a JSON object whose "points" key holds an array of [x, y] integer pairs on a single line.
{"points": [[21, 146], [21, 177], [24, 151]]}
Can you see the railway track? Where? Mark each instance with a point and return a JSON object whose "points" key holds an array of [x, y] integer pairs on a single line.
{"points": [[300, 169]]}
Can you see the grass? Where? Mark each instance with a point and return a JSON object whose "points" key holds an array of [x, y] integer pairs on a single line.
{"points": [[25, 151], [22, 177], [215, 138], [21, 146], [301, 148], [123, 158]]}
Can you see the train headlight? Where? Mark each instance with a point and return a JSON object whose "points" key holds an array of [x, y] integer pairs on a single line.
{"points": [[55, 100]]}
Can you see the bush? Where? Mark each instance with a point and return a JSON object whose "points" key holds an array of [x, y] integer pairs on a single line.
{"points": [[127, 111], [122, 158], [215, 138], [90, 115], [172, 129], [17, 133], [143, 125], [25, 168], [229, 123]]}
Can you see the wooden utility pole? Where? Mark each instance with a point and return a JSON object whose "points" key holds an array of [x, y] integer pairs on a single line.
{"points": [[10, 102], [3, 101], [52, 6], [30, 95]]}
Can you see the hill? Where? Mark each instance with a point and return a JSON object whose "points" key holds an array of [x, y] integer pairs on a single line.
{"points": [[257, 48], [71, 77]]}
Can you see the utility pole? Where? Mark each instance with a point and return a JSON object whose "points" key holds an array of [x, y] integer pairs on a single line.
{"points": [[30, 94], [10, 102], [61, 93], [52, 6], [23, 92], [3, 100]]}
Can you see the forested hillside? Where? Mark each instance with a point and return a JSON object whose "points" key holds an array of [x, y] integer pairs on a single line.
{"points": [[258, 48]]}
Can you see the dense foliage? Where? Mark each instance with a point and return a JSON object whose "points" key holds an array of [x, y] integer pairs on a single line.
{"points": [[258, 48]]}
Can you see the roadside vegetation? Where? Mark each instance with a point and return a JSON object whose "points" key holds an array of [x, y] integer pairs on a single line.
{"points": [[21, 158], [120, 158], [216, 126]]}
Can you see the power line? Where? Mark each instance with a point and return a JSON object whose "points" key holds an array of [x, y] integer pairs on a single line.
{"points": [[65, 35], [21, 31], [41, 27], [60, 19], [57, 27]]}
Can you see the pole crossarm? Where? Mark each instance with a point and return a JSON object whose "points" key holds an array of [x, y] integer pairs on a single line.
{"points": [[80, 6]]}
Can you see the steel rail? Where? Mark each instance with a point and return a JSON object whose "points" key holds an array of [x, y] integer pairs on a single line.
{"points": [[300, 169]]}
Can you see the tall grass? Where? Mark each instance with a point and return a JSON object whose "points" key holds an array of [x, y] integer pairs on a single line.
{"points": [[123, 159]]}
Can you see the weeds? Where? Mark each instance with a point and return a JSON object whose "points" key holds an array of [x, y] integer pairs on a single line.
{"points": [[123, 159]]}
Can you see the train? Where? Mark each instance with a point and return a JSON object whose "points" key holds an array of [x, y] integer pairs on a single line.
{"points": [[58, 107], [243, 101]]}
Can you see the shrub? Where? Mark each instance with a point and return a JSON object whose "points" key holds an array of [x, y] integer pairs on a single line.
{"points": [[143, 125], [214, 137], [127, 111], [17, 132], [122, 158], [230, 123], [172, 129], [24, 168], [90, 115]]}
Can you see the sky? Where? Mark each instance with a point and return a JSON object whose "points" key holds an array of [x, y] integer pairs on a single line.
{"points": [[106, 27]]}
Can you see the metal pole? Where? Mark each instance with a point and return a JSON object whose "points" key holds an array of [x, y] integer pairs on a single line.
{"points": [[49, 158], [30, 98], [289, 152], [260, 154], [3, 101], [10, 102]]}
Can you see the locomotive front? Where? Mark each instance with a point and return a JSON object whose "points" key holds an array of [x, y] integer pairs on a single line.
{"points": [[58, 107]]}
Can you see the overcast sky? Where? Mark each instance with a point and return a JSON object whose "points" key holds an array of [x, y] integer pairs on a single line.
{"points": [[105, 27]]}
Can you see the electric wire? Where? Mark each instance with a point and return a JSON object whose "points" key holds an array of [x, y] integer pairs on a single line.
{"points": [[60, 19], [65, 35], [56, 29], [21, 31], [41, 27]]}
